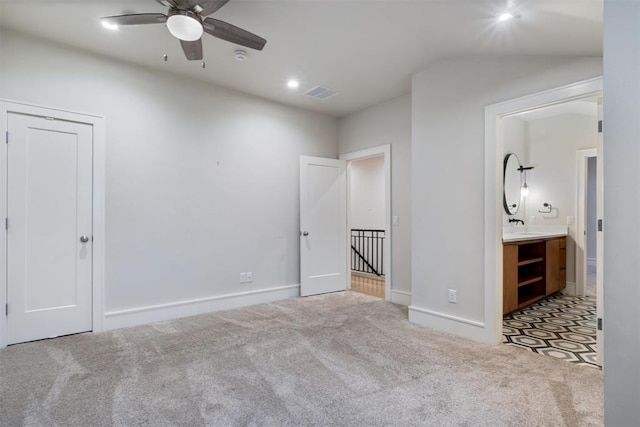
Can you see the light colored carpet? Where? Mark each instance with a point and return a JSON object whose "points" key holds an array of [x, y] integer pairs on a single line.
{"points": [[343, 359]]}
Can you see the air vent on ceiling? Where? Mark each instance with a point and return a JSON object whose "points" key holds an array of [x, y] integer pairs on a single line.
{"points": [[320, 92]]}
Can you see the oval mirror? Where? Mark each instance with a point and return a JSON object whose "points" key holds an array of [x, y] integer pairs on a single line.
{"points": [[511, 195]]}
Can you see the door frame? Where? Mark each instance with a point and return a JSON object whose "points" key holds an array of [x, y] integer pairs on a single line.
{"points": [[367, 153], [493, 153], [582, 157], [98, 202]]}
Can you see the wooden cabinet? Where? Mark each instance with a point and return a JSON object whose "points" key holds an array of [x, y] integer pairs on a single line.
{"points": [[532, 270], [556, 264]]}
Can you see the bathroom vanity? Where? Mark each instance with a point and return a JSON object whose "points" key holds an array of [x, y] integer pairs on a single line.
{"points": [[534, 267]]}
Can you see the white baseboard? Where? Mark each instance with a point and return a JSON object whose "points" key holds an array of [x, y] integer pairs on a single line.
{"points": [[570, 289], [401, 297], [446, 323], [175, 310]]}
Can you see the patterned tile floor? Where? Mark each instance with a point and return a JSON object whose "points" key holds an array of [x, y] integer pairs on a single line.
{"points": [[560, 326]]}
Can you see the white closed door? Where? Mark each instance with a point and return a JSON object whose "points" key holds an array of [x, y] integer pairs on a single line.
{"points": [[49, 242], [323, 225]]}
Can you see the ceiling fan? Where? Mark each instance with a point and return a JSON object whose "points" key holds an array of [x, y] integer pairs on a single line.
{"points": [[186, 21]]}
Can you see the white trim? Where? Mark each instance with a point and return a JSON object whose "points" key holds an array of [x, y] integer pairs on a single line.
{"points": [[384, 150], [582, 158], [493, 152], [570, 289], [98, 124], [592, 262], [401, 297], [175, 310], [446, 323]]}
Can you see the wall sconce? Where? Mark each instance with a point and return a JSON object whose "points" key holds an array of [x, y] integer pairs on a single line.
{"points": [[524, 190]]}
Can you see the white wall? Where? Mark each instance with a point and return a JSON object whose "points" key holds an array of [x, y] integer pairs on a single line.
{"points": [[201, 182], [553, 143], [621, 212], [366, 181], [447, 149], [389, 123]]}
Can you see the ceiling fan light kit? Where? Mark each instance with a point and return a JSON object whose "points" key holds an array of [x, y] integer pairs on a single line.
{"points": [[186, 21], [184, 25]]}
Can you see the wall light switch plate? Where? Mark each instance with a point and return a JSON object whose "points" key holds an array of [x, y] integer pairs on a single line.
{"points": [[532, 220], [453, 296], [395, 220], [243, 277], [249, 276], [570, 220]]}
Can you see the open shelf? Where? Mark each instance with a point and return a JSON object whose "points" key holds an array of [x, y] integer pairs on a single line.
{"points": [[529, 280], [525, 300], [532, 270], [530, 261]]}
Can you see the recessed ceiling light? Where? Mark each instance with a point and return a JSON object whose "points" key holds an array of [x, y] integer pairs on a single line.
{"points": [[109, 25], [505, 16], [293, 84]]}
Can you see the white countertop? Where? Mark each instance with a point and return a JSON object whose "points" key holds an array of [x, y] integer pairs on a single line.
{"points": [[515, 233]]}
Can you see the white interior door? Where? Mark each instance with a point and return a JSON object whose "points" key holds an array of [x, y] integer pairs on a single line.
{"points": [[323, 225], [600, 242], [49, 234]]}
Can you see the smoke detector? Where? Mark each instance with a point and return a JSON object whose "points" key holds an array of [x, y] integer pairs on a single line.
{"points": [[240, 54]]}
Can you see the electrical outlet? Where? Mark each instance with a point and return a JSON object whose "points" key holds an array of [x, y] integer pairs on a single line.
{"points": [[532, 220], [249, 277], [453, 296], [243, 277], [395, 220], [571, 220]]}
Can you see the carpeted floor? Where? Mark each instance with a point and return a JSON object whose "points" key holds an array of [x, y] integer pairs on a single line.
{"points": [[343, 359]]}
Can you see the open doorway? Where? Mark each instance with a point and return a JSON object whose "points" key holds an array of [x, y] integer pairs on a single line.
{"points": [[366, 225], [369, 221], [494, 214], [545, 309], [592, 220], [587, 232]]}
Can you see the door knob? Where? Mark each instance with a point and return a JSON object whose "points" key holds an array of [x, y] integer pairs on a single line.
{"points": [[305, 233], [84, 239]]}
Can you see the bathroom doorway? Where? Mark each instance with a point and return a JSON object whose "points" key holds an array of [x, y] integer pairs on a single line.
{"points": [[369, 221], [559, 213], [546, 139], [587, 233], [592, 220]]}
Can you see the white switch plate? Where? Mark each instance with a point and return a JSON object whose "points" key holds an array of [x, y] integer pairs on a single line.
{"points": [[532, 220], [249, 277], [570, 220], [395, 220], [243, 277], [453, 296]]}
